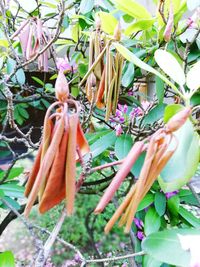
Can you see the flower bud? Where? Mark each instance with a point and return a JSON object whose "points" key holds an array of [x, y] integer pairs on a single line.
{"points": [[170, 24], [178, 120], [117, 32], [61, 87]]}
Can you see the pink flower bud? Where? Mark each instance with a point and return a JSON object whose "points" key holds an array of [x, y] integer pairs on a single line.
{"points": [[170, 24], [118, 130], [61, 87], [178, 120]]}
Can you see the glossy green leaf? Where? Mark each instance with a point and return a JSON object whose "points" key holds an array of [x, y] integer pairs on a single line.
{"points": [[132, 58], [183, 164], [138, 165], [160, 203], [189, 217], [151, 221], [168, 63], [160, 89], [12, 202], [165, 246], [140, 25], [128, 75], [36, 79], [15, 172], [102, 144], [123, 145], [173, 204], [193, 77], [133, 9], [7, 259], [108, 22], [155, 114], [86, 6], [19, 75], [146, 202]]}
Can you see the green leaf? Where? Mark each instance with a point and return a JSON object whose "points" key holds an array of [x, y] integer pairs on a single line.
{"points": [[160, 203], [151, 222], [65, 22], [103, 143], [132, 58], [140, 25], [148, 261], [36, 79], [15, 172], [123, 145], [165, 246], [189, 217], [86, 6], [7, 259], [168, 63], [147, 200], [138, 165], [154, 114], [12, 202], [128, 75], [133, 9], [108, 22], [23, 112], [160, 89], [193, 77], [12, 190], [183, 164], [19, 75], [173, 204], [171, 110]]}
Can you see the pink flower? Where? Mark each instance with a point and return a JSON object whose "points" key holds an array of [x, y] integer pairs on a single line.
{"points": [[194, 21], [136, 112], [64, 65], [118, 130], [140, 235], [139, 224], [171, 194]]}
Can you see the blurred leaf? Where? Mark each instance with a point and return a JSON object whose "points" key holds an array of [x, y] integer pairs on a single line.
{"points": [[7, 259], [128, 76], [108, 22], [19, 75], [171, 110], [165, 246], [12, 190], [86, 6], [183, 164], [12, 202], [173, 204], [148, 261], [123, 145], [189, 217], [15, 172], [151, 221], [154, 114], [103, 143], [138, 165], [36, 79], [140, 25], [65, 22], [168, 63], [160, 203], [146, 202], [160, 89], [133, 9], [193, 77]]}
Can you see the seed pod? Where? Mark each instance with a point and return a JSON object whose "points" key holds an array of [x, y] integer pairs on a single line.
{"points": [[61, 87]]}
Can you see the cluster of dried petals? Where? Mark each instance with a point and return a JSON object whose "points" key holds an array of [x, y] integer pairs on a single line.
{"points": [[34, 36], [158, 154]]}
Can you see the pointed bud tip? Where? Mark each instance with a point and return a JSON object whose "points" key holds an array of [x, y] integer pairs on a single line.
{"points": [[61, 87], [178, 120], [117, 32]]}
